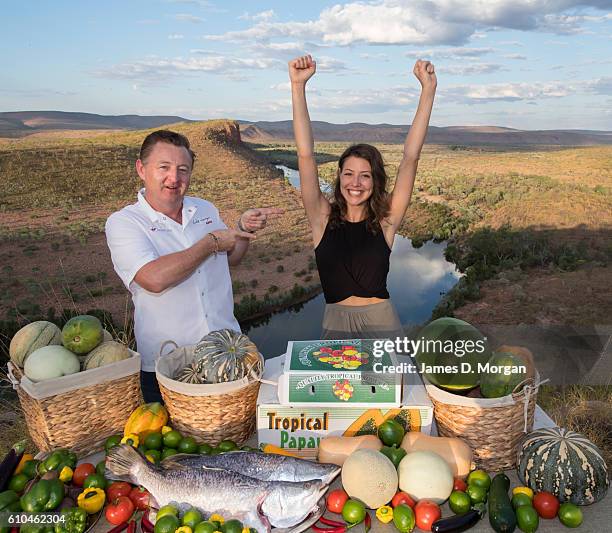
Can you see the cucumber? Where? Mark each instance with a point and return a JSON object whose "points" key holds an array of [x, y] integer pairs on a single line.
{"points": [[501, 514]]}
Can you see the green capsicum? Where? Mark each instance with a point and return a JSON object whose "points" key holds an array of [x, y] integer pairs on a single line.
{"points": [[45, 495], [57, 460], [9, 501], [31, 527], [75, 521]]}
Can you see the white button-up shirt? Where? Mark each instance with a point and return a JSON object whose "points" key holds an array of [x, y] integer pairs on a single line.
{"points": [[184, 313]]}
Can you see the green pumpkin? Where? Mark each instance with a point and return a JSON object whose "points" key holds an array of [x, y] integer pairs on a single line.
{"points": [[564, 463], [227, 355]]}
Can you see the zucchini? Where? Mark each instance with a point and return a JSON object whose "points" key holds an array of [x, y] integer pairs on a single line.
{"points": [[501, 514]]}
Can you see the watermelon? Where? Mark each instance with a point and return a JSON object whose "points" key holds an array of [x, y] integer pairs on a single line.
{"points": [[31, 337], [82, 334], [564, 463], [502, 375], [452, 343]]}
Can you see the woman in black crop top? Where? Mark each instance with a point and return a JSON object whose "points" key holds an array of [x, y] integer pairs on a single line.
{"points": [[353, 234]]}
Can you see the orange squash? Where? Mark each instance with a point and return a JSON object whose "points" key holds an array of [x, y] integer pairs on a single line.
{"points": [[146, 419]]}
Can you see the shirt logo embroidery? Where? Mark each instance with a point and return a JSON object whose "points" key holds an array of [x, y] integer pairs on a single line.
{"points": [[158, 228], [206, 220]]}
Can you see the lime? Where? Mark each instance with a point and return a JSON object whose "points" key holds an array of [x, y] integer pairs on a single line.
{"points": [[227, 445], [167, 452], [353, 512], [527, 519], [141, 448], [204, 449], [205, 527], [191, 518], [153, 441], [519, 499], [188, 445], [18, 482], [403, 518], [101, 468], [459, 502], [215, 451], [166, 524], [172, 439], [167, 510], [477, 494], [232, 526], [391, 433], [153, 455], [95, 481], [570, 515], [112, 441], [479, 478]]}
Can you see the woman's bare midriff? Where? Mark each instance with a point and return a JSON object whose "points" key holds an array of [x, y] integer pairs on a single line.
{"points": [[359, 300]]}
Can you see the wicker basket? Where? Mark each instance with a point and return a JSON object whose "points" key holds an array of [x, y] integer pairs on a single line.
{"points": [[82, 417], [492, 427], [211, 413]]}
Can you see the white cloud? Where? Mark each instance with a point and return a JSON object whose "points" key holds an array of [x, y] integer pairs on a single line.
{"points": [[496, 92], [186, 17], [175, 36], [470, 69], [429, 22], [261, 16], [515, 56], [450, 53], [602, 86]]}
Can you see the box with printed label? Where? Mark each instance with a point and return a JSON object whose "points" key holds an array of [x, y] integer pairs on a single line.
{"points": [[350, 372]]}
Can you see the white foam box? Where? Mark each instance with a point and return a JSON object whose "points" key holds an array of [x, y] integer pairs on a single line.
{"points": [[299, 428], [339, 372]]}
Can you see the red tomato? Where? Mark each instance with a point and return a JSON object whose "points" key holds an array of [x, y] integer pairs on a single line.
{"points": [[546, 504], [140, 498], [402, 497], [119, 510], [116, 489], [336, 500], [81, 472], [459, 484], [426, 513]]}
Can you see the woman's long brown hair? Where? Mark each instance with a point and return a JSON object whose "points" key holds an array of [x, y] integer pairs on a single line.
{"points": [[378, 203]]}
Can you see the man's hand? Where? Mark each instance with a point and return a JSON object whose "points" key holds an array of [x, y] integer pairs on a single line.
{"points": [[426, 74], [227, 238], [256, 219], [301, 69]]}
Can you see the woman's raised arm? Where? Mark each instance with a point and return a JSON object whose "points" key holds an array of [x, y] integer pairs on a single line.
{"points": [[316, 205], [404, 183]]}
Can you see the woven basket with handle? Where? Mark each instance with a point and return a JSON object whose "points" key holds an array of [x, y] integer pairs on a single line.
{"points": [[83, 418], [211, 413], [492, 427]]}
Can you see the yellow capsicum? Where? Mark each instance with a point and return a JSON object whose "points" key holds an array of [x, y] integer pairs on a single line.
{"points": [[216, 518], [131, 439], [91, 499], [384, 514], [66, 474], [183, 529]]}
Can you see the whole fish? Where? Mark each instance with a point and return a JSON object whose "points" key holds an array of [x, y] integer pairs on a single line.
{"points": [[263, 466], [259, 504]]}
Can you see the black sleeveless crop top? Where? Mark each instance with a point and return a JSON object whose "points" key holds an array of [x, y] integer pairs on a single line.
{"points": [[352, 261]]}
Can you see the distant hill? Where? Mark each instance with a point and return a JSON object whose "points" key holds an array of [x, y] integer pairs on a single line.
{"points": [[453, 135], [19, 123]]}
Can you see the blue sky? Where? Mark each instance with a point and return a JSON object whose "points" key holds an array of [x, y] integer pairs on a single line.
{"points": [[528, 64]]}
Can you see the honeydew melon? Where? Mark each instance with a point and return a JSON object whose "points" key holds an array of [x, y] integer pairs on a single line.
{"points": [[50, 362]]}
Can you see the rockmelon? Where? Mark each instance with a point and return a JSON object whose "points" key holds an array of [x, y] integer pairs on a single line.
{"points": [[227, 355], [50, 362], [105, 354], [82, 334], [369, 476], [565, 463], [449, 342], [31, 337], [424, 475]]}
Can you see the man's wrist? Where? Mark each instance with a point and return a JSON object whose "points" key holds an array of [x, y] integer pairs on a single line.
{"points": [[215, 243], [242, 228]]}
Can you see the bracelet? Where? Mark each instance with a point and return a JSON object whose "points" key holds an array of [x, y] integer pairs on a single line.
{"points": [[241, 228], [216, 241]]}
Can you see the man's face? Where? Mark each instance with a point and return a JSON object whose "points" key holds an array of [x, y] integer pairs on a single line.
{"points": [[166, 173]]}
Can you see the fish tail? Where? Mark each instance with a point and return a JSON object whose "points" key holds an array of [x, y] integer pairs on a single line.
{"points": [[122, 463]]}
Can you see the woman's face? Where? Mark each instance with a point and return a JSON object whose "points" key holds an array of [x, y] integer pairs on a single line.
{"points": [[356, 181]]}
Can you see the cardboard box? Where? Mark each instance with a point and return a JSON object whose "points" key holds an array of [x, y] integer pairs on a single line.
{"points": [[339, 372], [300, 428]]}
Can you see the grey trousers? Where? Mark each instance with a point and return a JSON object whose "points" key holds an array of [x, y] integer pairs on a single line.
{"points": [[376, 321]]}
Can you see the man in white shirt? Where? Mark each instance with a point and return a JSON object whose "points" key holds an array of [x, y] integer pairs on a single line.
{"points": [[173, 253]]}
